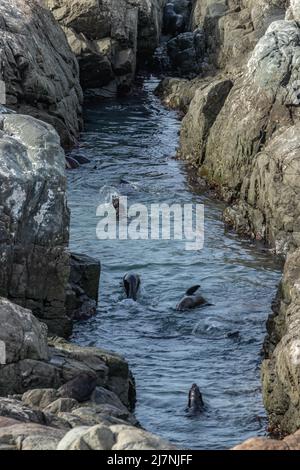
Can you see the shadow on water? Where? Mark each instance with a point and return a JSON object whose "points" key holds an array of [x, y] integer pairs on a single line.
{"points": [[131, 144]]}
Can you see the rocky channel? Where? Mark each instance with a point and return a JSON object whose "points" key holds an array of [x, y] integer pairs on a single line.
{"points": [[252, 100], [234, 69]]}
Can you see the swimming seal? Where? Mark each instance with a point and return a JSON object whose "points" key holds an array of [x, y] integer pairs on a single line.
{"points": [[195, 403], [80, 388], [71, 163], [131, 284], [192, 299], [116, 204]]}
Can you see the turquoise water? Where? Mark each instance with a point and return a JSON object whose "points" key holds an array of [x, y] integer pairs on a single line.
{"points": [[131, 144]]}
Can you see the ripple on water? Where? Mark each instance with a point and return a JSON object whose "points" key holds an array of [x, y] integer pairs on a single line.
{"points": [[131, 143]]}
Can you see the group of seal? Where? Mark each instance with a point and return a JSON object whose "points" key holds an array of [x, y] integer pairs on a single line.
{"points": [[82, 386], [191, 299]]}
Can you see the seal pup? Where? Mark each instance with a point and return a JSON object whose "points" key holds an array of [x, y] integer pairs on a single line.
{"points": [[131, 284], [195, 403], [192, 299], [80, 388]]}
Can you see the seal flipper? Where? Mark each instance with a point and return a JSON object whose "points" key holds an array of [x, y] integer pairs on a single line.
{"points": [[192, 290]]}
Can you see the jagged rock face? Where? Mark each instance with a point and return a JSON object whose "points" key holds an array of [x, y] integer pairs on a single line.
{"points": [[293, 12], [107, 35], [38, 67], [268, 206], [261, 105], [24, 336], [176, 16], [204, 108], [281, 369], [83, 287], [233, 28], [150, 19], [258, 152], [186, 53], [34, 219]]}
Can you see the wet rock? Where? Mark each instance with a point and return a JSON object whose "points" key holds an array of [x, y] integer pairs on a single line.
{"points": [[186, 52], [82, 160], [83, 289], [106, 38], [42, 79], [34, 219], [177, 93]]}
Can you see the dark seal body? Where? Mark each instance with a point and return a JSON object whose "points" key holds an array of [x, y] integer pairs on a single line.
{"points": [[196, 403], [192, 299], [131, 284], [80, 388]]}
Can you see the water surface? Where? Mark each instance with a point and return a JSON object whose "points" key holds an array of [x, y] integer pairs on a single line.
{"points": [[131, 144]]}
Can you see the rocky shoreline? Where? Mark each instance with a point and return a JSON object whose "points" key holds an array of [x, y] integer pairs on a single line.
{"points": [[242, 88]]}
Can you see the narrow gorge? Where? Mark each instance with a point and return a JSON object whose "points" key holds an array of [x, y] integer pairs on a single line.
{"points": [[180, 101]]}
